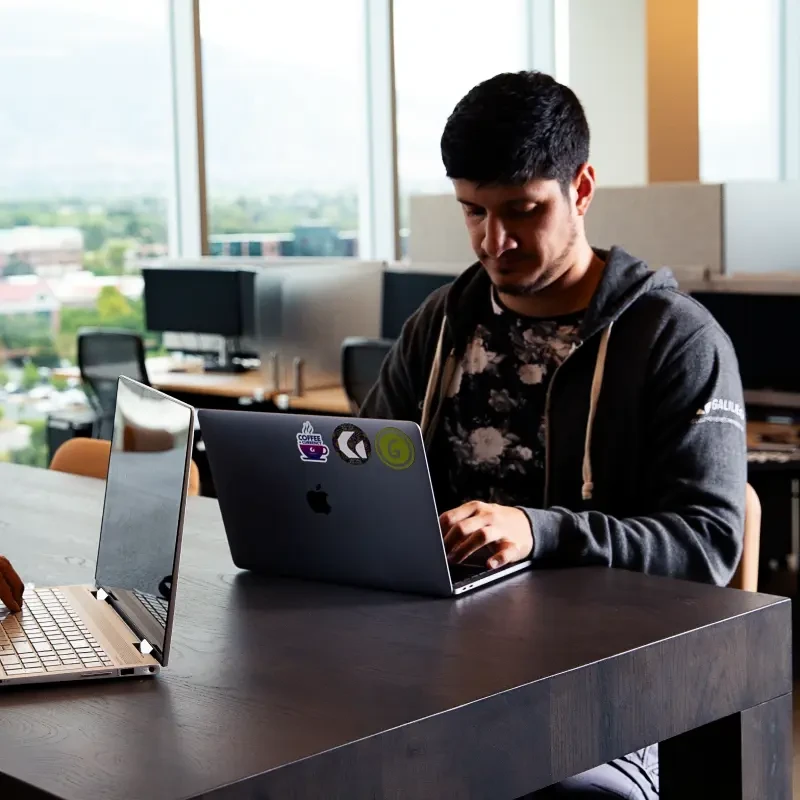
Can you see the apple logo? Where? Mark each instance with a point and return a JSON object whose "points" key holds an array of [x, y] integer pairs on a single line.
{"points": [[318, 501]]}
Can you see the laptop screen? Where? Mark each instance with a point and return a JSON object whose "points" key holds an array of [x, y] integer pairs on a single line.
{"points": [[143, 510]]}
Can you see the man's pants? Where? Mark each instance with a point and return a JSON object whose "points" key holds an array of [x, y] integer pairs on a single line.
{"points": [[633, 777]]}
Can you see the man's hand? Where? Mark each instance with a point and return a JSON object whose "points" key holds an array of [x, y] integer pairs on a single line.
{"points": [[504, 529], [11, 586]]}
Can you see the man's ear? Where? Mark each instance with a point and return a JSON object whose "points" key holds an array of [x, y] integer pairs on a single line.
{"points": [[584, 186]]}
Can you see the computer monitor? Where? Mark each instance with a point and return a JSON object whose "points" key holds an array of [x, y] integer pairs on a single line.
{"points": [[404, 291], [211, 300], [764, 331]]}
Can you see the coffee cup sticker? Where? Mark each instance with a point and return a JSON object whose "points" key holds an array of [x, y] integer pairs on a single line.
{"points": [[312, 449]]}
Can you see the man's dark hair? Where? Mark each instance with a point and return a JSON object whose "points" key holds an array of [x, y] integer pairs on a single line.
{"points": [[515, 128]]}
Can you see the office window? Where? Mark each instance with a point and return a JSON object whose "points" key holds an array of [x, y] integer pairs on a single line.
{"points": [[442, 50], [84, 160], [739, 85], [284, 119]]}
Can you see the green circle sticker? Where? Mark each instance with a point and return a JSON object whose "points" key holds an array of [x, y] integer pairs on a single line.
{"points": [[394, 448]]}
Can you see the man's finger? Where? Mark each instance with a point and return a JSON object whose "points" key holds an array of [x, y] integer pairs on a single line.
{"points": [[462, 530], [472, 544], [506, 553], [12, 579], [7, 596], [456, 515]]}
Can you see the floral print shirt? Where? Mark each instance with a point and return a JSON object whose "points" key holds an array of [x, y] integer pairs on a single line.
{"points": [[493, 414]]}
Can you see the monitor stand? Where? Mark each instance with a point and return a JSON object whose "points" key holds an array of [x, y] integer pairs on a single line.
{"points": [[215, 366], [222, 362]]}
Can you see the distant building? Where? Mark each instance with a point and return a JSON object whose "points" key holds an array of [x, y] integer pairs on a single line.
{"points": [[257, 245], [49, 252], [310, 240], [29, 295], [26, 303], [80, 289], [134, 255]]}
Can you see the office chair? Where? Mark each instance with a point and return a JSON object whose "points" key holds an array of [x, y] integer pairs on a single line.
{"points": [[89, 457], [103, 355], [361, 364], [746, 575]]}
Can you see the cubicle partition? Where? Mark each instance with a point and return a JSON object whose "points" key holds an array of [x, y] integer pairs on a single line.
{"points": [[665, 224], [305, 311], [716, 229]]}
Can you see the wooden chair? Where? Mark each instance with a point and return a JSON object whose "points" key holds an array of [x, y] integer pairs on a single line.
{"points": [[746, 575], [89, 457]]}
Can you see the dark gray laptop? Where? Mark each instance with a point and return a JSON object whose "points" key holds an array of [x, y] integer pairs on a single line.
{"points": [[333, 499]]}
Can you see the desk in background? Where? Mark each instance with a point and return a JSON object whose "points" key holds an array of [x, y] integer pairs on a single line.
{"points": [[331, 401], [201, 389], [289, 689]]}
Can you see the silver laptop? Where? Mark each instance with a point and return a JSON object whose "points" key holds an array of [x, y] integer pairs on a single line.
{"points": [[333, 499], [120, 626]]}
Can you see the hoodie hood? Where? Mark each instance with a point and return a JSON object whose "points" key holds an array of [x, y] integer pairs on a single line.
{"points": [[624, 280]]}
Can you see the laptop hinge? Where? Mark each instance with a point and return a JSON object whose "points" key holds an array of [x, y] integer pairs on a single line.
{"points": [[143, 646]]}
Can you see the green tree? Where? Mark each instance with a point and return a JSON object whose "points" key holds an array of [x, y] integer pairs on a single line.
{"points": [[24, 331], [46, 355], [115, 256], [59, 383], [94, 262], [94, 234], [112, 305], [30, 376], [35, 454], [2, 413]]}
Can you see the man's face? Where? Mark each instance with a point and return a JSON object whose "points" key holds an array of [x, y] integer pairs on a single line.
{"points": [[523, 235]]}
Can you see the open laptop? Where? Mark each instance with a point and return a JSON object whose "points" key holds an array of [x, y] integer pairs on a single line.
{"points": [[333, 499], [121, 626]]}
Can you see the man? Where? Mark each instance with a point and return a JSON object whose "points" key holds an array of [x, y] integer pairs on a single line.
{"points": [[11, 587], [576, 407]]}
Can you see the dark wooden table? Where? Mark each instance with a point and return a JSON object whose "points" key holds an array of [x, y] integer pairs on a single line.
{"points": [[281, 689]]}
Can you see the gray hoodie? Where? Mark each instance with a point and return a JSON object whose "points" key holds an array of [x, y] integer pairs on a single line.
{"points": [[646, 456]]}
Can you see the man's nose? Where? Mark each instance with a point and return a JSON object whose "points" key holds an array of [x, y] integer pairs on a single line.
{"points": [[496, 239]]}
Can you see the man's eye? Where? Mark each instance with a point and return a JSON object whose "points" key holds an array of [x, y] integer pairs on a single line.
{"points": [[474, 212]]}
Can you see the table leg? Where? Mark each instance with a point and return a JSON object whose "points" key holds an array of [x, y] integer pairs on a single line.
{"points": [[747, 756]]}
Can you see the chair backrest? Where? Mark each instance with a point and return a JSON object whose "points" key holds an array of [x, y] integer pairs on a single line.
{"points": [[89, 457], [746, 575], [103, 355], [361, 364]]}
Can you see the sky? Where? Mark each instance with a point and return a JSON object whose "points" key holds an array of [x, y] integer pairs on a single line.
{"points": [[84, 89]]}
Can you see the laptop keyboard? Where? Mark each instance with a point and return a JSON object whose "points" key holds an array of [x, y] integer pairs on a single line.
{"points": [[48, 635], [462, 573], [157, 606]]}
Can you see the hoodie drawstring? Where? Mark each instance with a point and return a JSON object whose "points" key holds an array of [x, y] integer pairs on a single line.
{"points": [[597, 384], [433, 380]]}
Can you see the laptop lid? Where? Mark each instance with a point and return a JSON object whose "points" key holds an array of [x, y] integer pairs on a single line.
{"points": [[326, 498], [140, 534]]}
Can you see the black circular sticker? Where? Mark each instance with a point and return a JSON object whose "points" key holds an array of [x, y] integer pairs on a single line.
{"points": [[351, 443]]}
